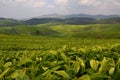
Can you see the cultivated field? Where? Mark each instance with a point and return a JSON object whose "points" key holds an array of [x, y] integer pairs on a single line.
{"points": [[60, 52]]}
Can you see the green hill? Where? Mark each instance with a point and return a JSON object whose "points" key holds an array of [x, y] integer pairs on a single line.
{"points": [[9, 22], [64, 30]]}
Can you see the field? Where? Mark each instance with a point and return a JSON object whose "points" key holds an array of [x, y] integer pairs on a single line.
{"points": [[100, 31], [60, 52]]}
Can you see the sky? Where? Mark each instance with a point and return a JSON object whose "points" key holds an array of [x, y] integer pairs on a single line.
{"points": [[34, 8]]}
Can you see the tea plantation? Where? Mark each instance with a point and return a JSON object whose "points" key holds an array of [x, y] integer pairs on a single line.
{"points": [[72, 57]]}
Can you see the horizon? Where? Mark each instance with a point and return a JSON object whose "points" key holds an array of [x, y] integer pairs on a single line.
{"points": [[43, 16], [19, 9]]}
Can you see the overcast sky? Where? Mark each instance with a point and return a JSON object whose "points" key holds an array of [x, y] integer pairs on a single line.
{"points": [[34, 8]]}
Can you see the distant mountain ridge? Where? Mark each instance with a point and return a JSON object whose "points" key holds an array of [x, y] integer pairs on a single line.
{"points": [[75, 21], [78, 16], [64, 19]]}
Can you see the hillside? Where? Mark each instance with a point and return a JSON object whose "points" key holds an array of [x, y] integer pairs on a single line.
{"points": [[73, 25], [73, 20], [64, 30], [9, 22]]}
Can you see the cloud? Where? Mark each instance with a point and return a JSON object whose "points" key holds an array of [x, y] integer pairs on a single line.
{"points": [[25, 3], [30, 8], [89, 2], [51, 6], [32, 3], [20, 0], [39, 4], [61, 2], [116, 2]]}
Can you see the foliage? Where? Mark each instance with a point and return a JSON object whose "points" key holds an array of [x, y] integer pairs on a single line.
{"points": [[45, 58]]}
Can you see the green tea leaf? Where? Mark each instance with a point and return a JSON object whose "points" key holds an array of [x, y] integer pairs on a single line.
{"points": [[90, 71], [106, 64], [76, 66], [84, 77], [94, 64], [7, 64], [24, 61], [62, 73], [45, 68], [64, 57], [49, 71], [112, 70], [98, 76], [118, 64], [15, 74], [3, 73], [81, 62], [19, 74]]}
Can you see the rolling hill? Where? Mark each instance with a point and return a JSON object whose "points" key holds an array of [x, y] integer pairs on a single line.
{"points": [[100, 31], [9, 22], [76, 26]]}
